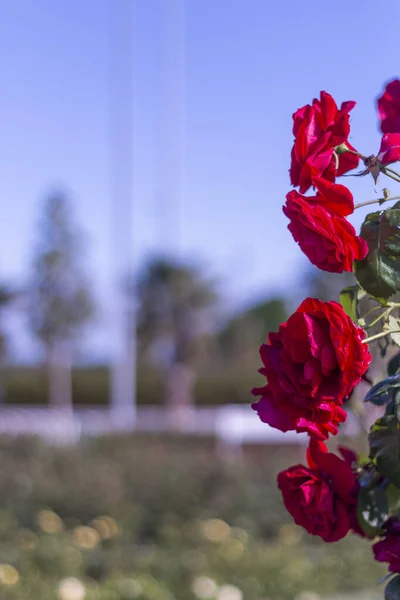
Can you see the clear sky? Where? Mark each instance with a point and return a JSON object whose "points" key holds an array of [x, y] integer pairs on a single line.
{"points": [[248, 65]]}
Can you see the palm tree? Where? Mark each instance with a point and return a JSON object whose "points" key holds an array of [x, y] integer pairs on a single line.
{"points": [[174, 302]]}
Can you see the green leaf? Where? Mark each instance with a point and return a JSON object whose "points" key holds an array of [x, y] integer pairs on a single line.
{"points": [[349, 297], [394, 365], [385, 578], [396, 404], [384, 445], [389, 408], [382, 423], [379, 272], [372, 510], [383, 346], [382, 392], [393, 496], [394, 328], [392, 590]]}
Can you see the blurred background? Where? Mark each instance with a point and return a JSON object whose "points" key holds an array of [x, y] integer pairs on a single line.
{"points": [[144, 257]]}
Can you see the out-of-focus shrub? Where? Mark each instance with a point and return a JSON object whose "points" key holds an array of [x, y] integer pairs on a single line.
{"points": [[153, 517], [90, 386]]}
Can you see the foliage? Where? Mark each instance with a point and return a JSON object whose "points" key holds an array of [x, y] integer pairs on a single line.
{"points": [[384, 444], [173, 300], [372, 510], [379, 272], [60, 301], [392, 591]]}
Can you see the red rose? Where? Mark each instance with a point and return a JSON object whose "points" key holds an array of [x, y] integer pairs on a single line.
{"points": [[389, 108], [321, 497], [318, 129], [318, 225], [388, 549], [389, 152], [312, 365]]}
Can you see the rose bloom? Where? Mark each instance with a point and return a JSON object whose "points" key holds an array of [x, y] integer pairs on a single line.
{"points": [[322, 497], [389, 152], [318, 225], [312, 365], [388, 549], [389, 108], [318, 129]]}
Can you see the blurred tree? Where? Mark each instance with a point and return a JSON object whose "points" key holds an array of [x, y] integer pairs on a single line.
{"points": [[8, 297], [324, 285], [239, 340], [174, 300], [60, 302]]}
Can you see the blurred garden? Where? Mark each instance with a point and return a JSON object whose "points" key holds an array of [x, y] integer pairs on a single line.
{"points": [[162, 518]]}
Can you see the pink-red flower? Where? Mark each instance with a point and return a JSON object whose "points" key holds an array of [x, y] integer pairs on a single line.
{"points": [[318, 225], [318, 129], [389, 152], [322, 497], [389, 108], [388, 549], [312, 365]]}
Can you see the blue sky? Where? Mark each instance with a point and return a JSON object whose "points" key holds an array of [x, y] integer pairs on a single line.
{"points": [[248, 65]]}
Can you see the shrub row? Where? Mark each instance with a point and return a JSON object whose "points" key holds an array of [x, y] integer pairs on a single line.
{"points": [[91, 387]]}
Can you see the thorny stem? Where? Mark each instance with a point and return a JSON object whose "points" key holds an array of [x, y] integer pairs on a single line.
{"points": [[392, 174], [379, 335], [374, 309], [386, 313], [378, 200], [392, 171], [357, 153], [382, 316]]}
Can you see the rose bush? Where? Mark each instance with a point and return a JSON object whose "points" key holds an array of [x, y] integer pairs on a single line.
{"points": [[315, 360]]}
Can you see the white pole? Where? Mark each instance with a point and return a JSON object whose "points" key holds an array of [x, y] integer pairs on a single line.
{"points": [[170, 182], [123, 370], [170, 176]]}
